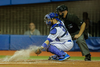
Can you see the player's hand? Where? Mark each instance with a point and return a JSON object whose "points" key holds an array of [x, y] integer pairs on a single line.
{"points": [[77, 36]]}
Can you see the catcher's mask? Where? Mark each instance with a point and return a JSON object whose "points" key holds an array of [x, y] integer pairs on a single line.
{"points": [[50, 16]]}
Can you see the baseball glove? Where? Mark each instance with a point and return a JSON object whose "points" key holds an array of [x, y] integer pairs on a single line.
{"points": [[38, 51]]}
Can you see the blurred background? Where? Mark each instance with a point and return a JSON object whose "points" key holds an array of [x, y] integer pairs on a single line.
{"points": [[15, 15]]}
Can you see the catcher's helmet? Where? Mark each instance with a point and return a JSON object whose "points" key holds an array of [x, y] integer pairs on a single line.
{"points": [[61, 8], [50, 16]]}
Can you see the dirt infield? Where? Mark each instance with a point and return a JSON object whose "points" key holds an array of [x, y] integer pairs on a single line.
{"points": [[44, 53], [51, 63]]}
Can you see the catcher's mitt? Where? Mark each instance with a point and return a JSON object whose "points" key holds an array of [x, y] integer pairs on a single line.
{"points": [[38, 51]]}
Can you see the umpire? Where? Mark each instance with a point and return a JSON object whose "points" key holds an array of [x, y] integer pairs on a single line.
{"points": [[76, 28]]}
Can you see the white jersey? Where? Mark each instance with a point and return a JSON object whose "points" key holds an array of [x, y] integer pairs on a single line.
{"points": [[60, 39]]}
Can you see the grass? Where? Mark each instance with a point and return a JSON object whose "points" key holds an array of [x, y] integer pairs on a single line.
{"points": [[72, 58], [46, 57], [82, 58]]}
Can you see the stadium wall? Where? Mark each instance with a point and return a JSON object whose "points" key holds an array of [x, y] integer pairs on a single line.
{"points": [[18, 42]]}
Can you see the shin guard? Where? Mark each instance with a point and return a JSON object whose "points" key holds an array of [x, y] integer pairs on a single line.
{"points": [[56, 51]]}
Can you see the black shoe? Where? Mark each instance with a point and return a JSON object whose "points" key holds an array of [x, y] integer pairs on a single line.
{"points": [[88, 57]]}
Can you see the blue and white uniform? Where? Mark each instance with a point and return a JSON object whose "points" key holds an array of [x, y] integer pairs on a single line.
{"points": [[60, 37]]}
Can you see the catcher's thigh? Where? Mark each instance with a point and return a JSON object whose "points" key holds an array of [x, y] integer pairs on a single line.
{"points": [[65, 46]]}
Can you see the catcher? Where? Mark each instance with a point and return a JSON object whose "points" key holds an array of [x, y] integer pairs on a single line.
{"points": [[59, 39]]}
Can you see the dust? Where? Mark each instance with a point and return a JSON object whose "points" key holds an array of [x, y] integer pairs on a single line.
{"points": [[21, 54]]}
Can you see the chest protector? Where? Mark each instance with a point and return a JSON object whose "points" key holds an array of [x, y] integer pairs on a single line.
{"points": [[71, 26], [53, 30]]}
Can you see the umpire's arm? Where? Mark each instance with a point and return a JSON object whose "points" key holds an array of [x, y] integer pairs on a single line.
{"points": [[82, 28], [80, 24]]}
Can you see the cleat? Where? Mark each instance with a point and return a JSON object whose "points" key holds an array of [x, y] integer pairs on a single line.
{"points": [[50, 58], [65, 58], [54, 57]]}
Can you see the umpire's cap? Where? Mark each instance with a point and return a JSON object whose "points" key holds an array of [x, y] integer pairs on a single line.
{"points": [[61, 8]]}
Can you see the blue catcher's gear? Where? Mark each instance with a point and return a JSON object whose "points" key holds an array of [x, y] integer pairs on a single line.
{"points": [[59, 55], [55, 57], [56, 51], [50, 16], [53, 31]]}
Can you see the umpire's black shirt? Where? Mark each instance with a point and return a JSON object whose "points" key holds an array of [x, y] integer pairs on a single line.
{"points": [[72, 23]]}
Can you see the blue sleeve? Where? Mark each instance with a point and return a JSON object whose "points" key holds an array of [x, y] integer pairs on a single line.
{"points": [[49, 39], [44, 45], [54, 31]]}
